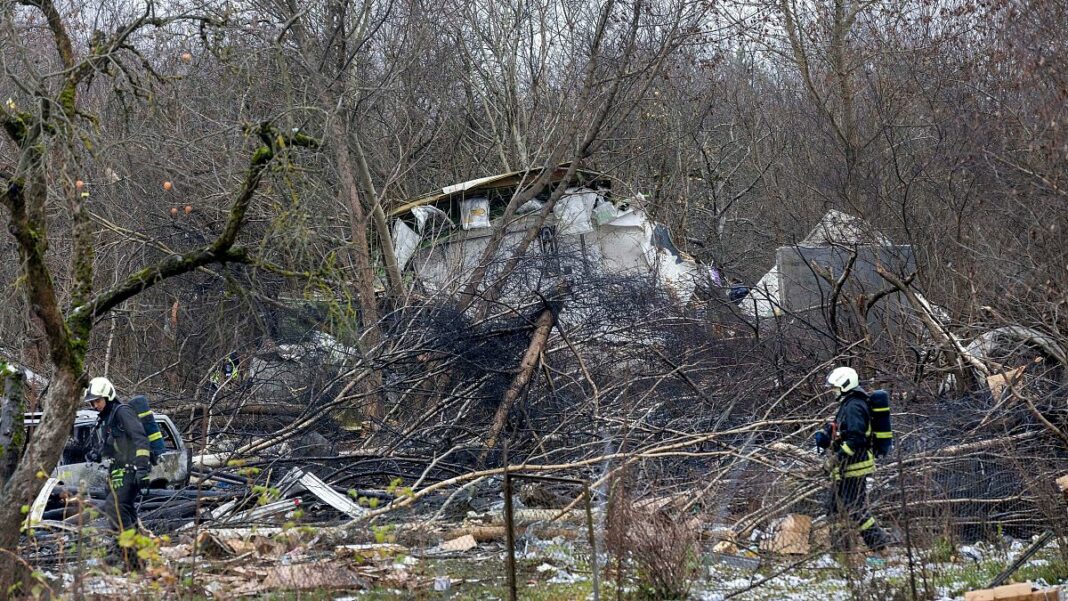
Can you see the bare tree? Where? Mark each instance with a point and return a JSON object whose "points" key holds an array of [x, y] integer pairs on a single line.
{"points": [[47, 144]]}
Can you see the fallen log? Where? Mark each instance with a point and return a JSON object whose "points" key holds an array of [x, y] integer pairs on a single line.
{"points": [[542, 326]]}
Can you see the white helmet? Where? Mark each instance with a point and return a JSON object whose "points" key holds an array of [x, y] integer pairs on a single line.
{"points": [[100, 388], [843, 378]]}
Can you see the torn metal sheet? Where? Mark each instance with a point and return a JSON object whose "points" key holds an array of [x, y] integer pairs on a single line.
{"points": [[573, 212], [223, 510], [38, 508], [430, 216], [262, 512], [324, 492], [530, 206], [585, 233], [405, 241], [986, 345], [604, 212], [58, 525], [835, 227]]}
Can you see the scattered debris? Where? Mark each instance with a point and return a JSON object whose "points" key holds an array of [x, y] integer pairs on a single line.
{"points": [[315, 576], [585, 230], [372, 551], [1035, 547], [726, 547], [1015, 592], [40, 503], [998, 383], [463, 543], [306, 481], [789, 536]]}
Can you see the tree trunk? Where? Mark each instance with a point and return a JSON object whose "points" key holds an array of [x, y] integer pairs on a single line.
{"points": [[378, 214], [370, 337], [44, 449], [12, 429]]}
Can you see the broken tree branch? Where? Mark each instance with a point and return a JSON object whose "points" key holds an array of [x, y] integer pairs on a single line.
{"points": [[542, 326]]}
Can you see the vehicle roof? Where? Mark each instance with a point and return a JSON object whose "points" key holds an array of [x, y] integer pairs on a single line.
{"points": [[84, 417], [482, 184]]}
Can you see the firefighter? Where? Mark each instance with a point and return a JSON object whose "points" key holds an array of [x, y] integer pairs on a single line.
{"points": [[229, 371], [848, 438], [125, 444]]}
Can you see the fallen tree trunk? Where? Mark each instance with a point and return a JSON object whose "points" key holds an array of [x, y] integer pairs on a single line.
{"points": [[940, 333], [542, 326]]}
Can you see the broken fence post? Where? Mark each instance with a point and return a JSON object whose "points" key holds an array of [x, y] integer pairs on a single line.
{"points": [[509, 529], [595, 571], [509, 535]]}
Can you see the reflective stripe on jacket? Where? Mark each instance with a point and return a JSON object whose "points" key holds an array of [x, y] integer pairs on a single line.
{"points": [[852, 443]]}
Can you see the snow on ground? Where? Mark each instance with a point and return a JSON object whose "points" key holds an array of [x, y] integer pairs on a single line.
{"points": [[824, 577]]}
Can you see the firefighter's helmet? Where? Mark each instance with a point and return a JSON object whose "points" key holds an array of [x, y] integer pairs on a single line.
{"points": [[843, 378], [100, 388]]}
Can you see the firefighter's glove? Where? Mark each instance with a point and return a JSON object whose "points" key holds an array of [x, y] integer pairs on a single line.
{"points": [[142, 481], [118, 476]]}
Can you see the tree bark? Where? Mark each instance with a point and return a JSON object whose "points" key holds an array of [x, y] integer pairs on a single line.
{"points": [[370, 337], [42, 453], [12, 429], [378, 214]]}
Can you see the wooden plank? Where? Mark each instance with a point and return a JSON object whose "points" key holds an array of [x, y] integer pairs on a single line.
{"points": [[1021, 591], [790, 537]]}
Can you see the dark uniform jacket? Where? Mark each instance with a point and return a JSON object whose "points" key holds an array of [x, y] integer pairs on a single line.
{"points": [[124, 437], [852, 440]]}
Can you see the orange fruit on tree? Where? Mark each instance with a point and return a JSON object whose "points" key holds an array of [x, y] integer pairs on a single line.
{"points": [[188, 209], [167, 185], [186, 57], [79, 184], [174, 211]]}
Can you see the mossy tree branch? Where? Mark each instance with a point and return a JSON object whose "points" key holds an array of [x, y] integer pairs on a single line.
{"points": [[221, 250]]}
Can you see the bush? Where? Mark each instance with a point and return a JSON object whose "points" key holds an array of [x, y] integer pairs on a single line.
{"points": [[660, 544]]}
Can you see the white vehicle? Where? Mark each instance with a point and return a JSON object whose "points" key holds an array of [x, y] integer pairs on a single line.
{"points": [[171, 470]]}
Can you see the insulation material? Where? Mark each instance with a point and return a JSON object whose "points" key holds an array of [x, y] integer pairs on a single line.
{"points": [[630, 218], [676, 274], [474, 213], [763, 298], [530, 206], [405, 241], [573, 212], [604, 212], [626, 243], [437, 218]]}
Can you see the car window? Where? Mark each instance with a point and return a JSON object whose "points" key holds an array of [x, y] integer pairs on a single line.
{"points": [[77, 445], [168, 437]]}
